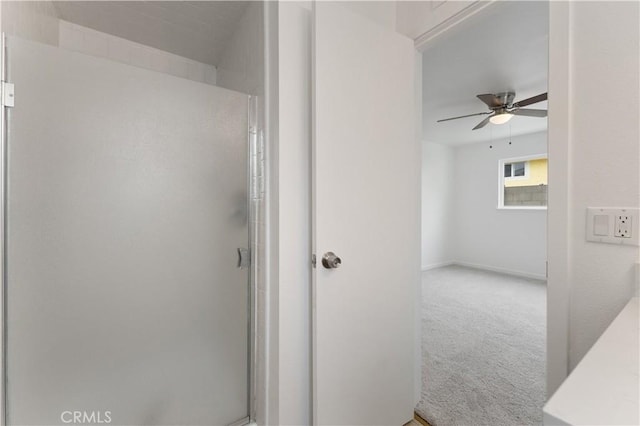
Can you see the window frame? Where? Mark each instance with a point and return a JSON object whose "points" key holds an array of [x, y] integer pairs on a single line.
{"points": [[512, 177], [502, 179]]}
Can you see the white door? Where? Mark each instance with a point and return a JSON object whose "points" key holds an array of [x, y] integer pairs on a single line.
{"points": [[366, 210]]}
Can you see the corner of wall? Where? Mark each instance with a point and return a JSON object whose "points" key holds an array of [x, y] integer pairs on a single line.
{"points": [[381, 12], [97, 43], [31, 20], [241, 66], [558, 247]]}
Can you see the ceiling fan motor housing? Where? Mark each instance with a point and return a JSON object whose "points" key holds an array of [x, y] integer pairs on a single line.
{"points": [[505, 99]]}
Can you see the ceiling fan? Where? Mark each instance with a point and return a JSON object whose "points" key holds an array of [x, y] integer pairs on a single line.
{"points": [[502, 108]]}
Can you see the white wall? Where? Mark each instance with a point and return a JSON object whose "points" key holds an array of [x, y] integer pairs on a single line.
{"points": [[605, 160], [595, 152], [31, 20], [512, 241], [294, 214], [38, 21], [460, 221], [96, 43], [382, 12], [437, 204], [241, 66]]}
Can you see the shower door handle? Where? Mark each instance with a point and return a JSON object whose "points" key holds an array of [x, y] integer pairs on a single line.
{"points": [[244, 258], [331, 261]]}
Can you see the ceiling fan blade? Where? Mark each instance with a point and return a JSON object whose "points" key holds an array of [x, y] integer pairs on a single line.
{"points": [[533, 100], [490, 99], [482, 123], [463, 116], [530, 112]]}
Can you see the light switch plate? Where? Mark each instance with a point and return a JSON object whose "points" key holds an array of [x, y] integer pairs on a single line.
{"points": [[603, 225]]}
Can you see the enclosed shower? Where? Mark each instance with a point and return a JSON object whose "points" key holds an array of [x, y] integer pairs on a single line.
{"points": [[129, 211]]}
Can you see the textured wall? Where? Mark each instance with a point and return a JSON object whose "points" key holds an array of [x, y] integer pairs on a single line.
{"points": [[31, 20], [91, 42], [605, 160], [241, 66]]}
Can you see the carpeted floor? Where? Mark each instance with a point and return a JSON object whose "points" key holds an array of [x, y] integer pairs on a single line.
{"points": [[483, 343]]}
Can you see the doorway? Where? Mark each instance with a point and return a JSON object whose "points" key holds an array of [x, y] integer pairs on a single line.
{"points": [[484, 218]]}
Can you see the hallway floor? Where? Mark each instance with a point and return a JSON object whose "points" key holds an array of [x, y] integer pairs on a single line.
{"points": [[483, 346]]}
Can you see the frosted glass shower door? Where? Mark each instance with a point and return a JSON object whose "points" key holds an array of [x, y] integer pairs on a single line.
{"points": [[127, 203]]}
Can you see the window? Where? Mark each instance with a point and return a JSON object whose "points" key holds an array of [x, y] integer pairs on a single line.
{"points": [[522, 183], [512, 170]]}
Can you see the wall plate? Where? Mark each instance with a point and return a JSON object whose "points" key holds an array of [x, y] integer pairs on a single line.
{"points": [[603, 225]]}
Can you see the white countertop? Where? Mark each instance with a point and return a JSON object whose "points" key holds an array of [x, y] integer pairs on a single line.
{"points": [[604, 389]]}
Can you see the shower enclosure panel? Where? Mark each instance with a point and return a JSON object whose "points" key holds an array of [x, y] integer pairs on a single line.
{"points": [[126, 204]]}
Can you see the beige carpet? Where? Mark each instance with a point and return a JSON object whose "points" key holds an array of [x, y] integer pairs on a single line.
{"points": [[483, 348]]}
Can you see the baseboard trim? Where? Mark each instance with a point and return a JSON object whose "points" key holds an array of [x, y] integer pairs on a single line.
{"points": [[436, 265], [418, 418], [500, 270]]}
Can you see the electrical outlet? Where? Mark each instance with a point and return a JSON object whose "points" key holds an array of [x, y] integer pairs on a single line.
{"points": [[622, 228]]}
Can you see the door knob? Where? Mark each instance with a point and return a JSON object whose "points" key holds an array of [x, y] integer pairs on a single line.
{"points": [[330, 260]]}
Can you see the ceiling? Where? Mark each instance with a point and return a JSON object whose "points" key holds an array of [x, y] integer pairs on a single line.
{"points": [[504, 47], [197, 30]]}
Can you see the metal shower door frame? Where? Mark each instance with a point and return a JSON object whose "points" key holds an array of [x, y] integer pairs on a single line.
{"points": [[3, 227]]}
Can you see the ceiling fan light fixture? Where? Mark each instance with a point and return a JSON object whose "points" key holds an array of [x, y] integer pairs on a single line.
{"points": [[500, 118], [502, 108]]}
